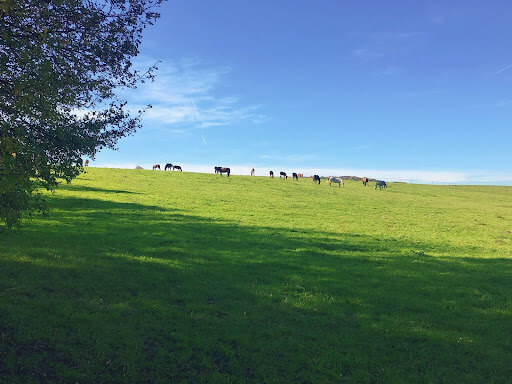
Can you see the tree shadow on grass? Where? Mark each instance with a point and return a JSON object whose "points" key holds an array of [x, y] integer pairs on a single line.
{"points": [[114, 292], [83, 188]]}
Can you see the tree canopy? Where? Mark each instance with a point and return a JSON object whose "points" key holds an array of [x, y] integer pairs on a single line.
{"points": [[61, 62]]}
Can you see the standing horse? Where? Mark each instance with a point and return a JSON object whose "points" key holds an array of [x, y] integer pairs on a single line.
{"points": [[156, 166], [316, 178], [168, 166], [271, 174], [252, 172], [295, 176], [86, 164], [301, 175], [283, 174], [336, 180], [365, 181], [222, 170], [381, 184], [177, 168]]}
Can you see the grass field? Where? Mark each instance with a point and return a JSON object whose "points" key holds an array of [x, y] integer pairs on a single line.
{"points": [[152, 277]]}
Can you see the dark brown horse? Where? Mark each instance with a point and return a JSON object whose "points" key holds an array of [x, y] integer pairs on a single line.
{"points": [[168, 166], [295, 176], [252, 172], [365, 181], [86, 164], [271, 174], [283, 174], [156, 166], [222, 170], [176, 168], [316, 178]]}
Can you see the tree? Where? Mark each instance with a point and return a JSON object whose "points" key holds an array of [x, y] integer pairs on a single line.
{"points": [[61, 63]]}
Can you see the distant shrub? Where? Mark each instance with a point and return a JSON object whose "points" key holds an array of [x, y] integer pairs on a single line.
{"points": [[138, 167]]}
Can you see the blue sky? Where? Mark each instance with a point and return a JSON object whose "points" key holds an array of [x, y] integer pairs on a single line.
{"points": [[393, 90]]}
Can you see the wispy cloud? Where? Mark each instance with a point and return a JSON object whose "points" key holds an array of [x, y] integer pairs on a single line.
{"points": [[185, 94], [503, 69]]}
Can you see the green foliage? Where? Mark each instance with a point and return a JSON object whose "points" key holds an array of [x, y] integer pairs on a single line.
{"points": [[142, 276], [60, 65]]}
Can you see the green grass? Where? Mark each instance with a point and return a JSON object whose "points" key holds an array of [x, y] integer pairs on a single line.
{"points": [[142, 276]]}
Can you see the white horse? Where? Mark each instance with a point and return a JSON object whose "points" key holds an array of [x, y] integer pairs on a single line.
{"points": [[336, 180]]}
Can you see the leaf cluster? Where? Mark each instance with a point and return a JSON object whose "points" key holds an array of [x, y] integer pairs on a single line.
{"points": [[61, 63]]}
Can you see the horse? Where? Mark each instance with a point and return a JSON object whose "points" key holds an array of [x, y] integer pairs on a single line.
{"points": [[316, 178], [156, 166], [86, 164], [252, 172], [222, 170], [381, 184], [283, 174], [336, 180], [177, 168], [301, 175], [365, 181], [271, 174], [168, 166]]}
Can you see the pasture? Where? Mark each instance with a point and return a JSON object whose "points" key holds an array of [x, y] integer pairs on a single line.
{"points": [[142, 276]]}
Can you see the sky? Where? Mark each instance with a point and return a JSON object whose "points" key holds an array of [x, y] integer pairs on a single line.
{"points": [[395, 90]]}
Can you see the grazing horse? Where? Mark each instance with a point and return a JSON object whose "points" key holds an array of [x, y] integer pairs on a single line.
{"points": [[271, 174], [316, 178], [252, 172], [86, 164], [176, 168], [301, 175], [336, 180], [365, 181], [283, 174], [168, 166], [381, 184], [156, 166], [222, 170], [295, 176]]}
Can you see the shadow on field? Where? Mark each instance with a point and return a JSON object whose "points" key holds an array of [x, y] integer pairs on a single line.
{"points": [[83, 188], [113, 292]]}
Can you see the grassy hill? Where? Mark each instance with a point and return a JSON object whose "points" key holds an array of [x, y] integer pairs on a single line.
{"points": [[142, 276]]}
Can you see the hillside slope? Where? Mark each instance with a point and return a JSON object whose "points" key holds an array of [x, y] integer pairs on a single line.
{"points": [[142, 276]]}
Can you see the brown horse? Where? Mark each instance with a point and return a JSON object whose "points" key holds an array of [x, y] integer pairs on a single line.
{"points": [[168, 166], [156, 166], [316, 178], [295, 176], [365, 181], [301, 175], [252, 172], [86, 164], [271, 174]]}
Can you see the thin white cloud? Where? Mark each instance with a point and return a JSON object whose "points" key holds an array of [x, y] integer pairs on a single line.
{"points": [[503, 69], [186, 95]]}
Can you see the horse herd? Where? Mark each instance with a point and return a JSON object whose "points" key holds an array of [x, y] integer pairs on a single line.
{"points": [[316, 178], [168, 166]]}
